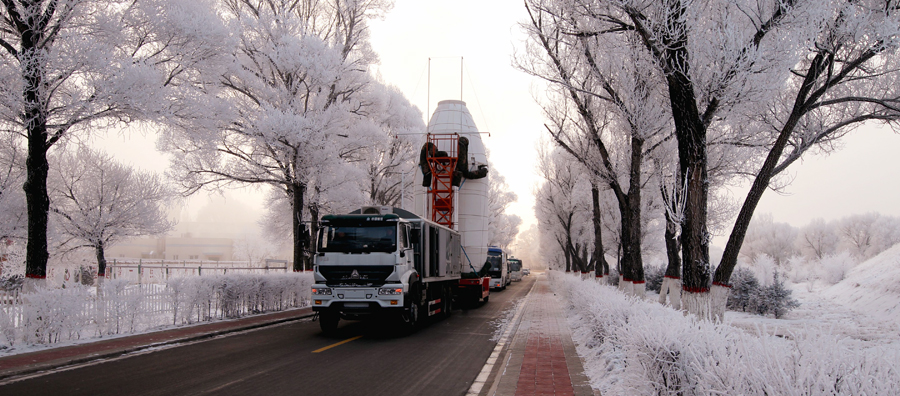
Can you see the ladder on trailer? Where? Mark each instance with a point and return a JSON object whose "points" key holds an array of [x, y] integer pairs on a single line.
{"points": [[442, 165]]}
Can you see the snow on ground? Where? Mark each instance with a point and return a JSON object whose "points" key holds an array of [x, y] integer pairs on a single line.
{"points": [[843, 339], [872, 287]]}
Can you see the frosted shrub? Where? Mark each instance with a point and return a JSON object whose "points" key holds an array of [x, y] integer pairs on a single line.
{"points": [[54, 314], [77, 311], [634, 347], [834, 268], [799, 270], [764, 267]]}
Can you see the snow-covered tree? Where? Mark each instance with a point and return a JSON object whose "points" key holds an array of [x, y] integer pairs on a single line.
{"points": [[765, 76], [846, 72], [866, 235], [776, 240], [13, 219], [563, 210], [817, 240], [98, 202], [69, 66], [527, 247], [604, 111], [291, 101], [502, 227], [390, 163]]}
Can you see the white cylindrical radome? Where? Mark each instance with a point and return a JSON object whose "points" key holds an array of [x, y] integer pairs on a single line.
{"points": [[471, 210]]}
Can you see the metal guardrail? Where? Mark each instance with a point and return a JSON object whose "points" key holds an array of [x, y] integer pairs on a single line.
{"points": [[146, 268]]}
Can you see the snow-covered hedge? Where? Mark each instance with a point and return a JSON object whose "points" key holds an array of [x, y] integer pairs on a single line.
{"points": [[636, 347], [76, 311]]}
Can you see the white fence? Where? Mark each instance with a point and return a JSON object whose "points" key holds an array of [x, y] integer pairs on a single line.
{"points": [[76, 311], [158, 271]]}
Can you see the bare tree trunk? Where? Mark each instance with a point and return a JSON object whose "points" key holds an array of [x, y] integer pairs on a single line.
{"points": [[312, 244], [690, 132], [297, 191], [601, 267], [35, 119], [101, 262], [671, 287]]}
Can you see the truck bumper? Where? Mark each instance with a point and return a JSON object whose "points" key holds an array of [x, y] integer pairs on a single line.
{"points": [[346, 299]]}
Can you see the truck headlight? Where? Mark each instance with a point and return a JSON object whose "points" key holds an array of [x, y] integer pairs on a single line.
{"points": [[390, 291], [321, 291]]}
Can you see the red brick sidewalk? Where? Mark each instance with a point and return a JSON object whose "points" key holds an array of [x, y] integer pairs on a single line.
{"points": [[47, 359], [542, 359]]}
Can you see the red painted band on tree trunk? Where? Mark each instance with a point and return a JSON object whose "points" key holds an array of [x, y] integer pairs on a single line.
{"points": [[598, 276], [695, 289], [36, 276], [721, 284], [638, 282], [673, 277], [626, 279]]}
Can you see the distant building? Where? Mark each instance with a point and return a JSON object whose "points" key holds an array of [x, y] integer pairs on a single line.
{"points": [[174, 248], [208, 235]]}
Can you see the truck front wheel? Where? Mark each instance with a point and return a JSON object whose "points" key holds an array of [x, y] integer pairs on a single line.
{"points": [[413, 314], [328, 321]]}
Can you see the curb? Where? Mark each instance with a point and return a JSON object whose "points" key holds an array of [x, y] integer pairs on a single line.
{"points": [[61, 363], [498, 359]]}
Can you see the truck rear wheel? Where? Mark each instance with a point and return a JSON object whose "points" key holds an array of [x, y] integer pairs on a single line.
{"points": [[447, 301], [328, 321]]}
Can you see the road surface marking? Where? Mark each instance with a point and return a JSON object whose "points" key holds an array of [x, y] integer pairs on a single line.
{"points": [[336, 344]]}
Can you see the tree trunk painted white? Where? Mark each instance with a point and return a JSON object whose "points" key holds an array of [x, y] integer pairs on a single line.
{"points": [[697, 304], [671, 290], [719, 298], [600, 279], [664, 290], [621, 283], [31, 285], [627, 287], [639, 290]]}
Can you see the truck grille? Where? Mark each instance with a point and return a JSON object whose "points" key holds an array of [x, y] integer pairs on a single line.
{"points": [[363, 275]]}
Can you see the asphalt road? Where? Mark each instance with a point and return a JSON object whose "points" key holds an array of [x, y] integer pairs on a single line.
{"points": [[441, 358]]}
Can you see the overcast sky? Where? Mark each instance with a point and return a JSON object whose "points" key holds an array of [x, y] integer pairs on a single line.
{"points": [[861, 177]]}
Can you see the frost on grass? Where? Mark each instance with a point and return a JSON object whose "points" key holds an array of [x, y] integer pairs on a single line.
{"points": [[78, 312], [637, 347]]}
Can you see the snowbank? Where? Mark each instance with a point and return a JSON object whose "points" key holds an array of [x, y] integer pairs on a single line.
{"points": [[872, 287], [77, 312], [638, 347]]}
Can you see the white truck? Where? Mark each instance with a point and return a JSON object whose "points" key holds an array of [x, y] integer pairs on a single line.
{"points": [[384, 261]]}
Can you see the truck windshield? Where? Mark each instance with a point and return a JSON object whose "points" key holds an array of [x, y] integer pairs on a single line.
{"points": [[515, 265], [358, 238]]}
